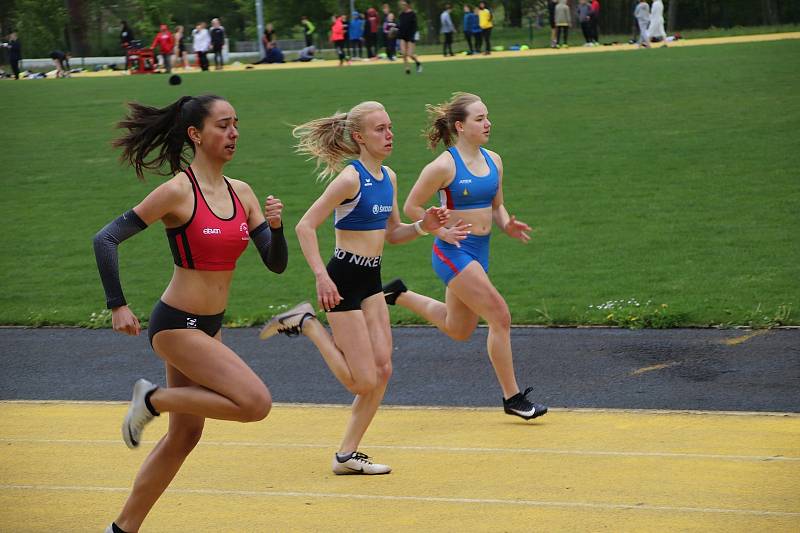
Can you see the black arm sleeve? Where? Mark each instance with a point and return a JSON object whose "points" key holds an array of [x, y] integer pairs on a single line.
{"points": [[105, 252], [271, 244]]}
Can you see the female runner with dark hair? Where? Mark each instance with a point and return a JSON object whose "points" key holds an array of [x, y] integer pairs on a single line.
{"points": [[209, 219]]}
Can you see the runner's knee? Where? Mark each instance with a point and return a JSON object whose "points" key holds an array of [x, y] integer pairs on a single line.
{"points": [[183, 439], [384, 373], [364, 384], [255, 405], [500, 318]]}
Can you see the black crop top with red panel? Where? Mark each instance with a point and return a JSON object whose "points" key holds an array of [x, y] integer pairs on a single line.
{"points": [[206, 241]]}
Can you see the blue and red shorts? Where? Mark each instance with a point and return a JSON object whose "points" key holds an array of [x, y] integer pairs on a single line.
{"points": [[449, 260]]}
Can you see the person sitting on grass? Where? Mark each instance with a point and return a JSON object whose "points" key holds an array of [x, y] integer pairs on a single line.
{"points": [[307, 54]]}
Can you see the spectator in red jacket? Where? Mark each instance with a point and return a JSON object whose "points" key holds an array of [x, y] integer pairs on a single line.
{"points": [[371, 32], [595, 21], [165, 42], [338, 36]]}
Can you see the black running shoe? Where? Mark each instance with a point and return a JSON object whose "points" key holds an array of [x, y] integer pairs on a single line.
{"points": [[393, 289], [520, 406]]}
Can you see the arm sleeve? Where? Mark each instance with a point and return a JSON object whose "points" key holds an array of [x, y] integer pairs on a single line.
{"points": [[271, 245], [105, 252]]}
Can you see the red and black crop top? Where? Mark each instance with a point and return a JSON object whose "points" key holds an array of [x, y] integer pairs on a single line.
{"points": [[206, 241]]}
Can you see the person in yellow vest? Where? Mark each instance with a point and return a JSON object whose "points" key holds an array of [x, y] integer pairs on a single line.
{"points": [[485, 19], [308, 30]]}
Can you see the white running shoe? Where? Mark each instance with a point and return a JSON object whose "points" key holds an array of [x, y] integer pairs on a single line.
{"points": [[289, 323], [358, 463], [138, 414]]}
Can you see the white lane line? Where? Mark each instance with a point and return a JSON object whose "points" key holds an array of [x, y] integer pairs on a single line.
{"points": [[423, 499], [550, 451]]}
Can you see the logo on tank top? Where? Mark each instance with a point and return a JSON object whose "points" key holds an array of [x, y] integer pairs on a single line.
{"points": [[367, 182], [212, 231], [243, 231], [381, 209], [465, 193]]}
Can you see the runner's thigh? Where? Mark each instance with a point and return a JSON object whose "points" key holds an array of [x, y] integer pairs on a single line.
{"points": [[376, 314], [207, 362], [351, 335], [475, 290]]}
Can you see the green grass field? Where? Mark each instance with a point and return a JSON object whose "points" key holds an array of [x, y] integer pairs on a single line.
{"points": [[666, 176]]}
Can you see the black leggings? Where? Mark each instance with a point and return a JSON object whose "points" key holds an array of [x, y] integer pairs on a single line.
{"points": [[166, 317], [448, 44], [562, 30], [203, 60], [218, 63], [355, 46], [487, 35], [339, 45], [586, 27]]}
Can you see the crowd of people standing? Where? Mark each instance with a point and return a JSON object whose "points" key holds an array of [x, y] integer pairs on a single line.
{"points": [[371, 35], [170, 45]]}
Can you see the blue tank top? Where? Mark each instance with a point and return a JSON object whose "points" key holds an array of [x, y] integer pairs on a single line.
{"points": [[468, 191], [371, 207]]}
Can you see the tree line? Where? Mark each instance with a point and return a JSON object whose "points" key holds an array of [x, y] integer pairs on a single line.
{"points": [[91, 27]]}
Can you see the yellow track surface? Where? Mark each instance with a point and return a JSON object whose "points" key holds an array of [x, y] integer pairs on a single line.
{"points": [[63, 467], [495, 55]]}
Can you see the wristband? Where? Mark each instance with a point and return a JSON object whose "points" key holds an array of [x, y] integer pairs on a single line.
{"points": [[418, 228]]}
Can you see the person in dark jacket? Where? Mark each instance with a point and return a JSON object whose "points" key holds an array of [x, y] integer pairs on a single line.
{"points": [[14, 53], [126, 40], [467, 23], [407, 33], [217, 41]]}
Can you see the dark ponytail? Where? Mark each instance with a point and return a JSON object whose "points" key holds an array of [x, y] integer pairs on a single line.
{"points": [[162, 129]]}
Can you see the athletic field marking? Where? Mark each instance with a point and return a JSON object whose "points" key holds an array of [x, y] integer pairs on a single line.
{"points": [[744, 338], [459, 449], [578, 410], [424, 499], [640, 371]]}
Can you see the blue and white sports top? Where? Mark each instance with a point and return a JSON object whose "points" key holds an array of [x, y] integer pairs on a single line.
{"points": [[372, 205], [468, 191]]}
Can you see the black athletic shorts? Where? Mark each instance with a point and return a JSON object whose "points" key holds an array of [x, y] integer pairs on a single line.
{"points": [[356, 277], [167, 317], [405, 36]]}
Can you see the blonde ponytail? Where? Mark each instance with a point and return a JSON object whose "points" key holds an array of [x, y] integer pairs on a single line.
{"points": [[329, 140]]}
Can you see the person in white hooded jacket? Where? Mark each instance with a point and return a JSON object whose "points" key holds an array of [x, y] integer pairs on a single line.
{"points": [[201, 42], [656, 27], [642, 16]]}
